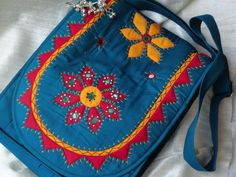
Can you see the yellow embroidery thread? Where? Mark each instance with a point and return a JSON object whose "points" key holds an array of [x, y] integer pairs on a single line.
{"points": [[107, 151], [146, 38], [90, 102]]}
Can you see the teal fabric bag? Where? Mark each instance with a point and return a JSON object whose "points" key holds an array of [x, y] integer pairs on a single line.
{"points": [[107, 88]]}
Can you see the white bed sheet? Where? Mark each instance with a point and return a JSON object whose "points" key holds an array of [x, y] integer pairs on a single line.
{"points": [[18, 40]]}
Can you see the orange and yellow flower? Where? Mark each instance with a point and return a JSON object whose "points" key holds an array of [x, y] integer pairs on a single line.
{"points": [[146, 38]]}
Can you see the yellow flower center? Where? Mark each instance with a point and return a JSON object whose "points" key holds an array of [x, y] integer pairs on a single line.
{"points": [[90, 96]]}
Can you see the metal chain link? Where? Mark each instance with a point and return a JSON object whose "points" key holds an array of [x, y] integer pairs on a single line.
{"points": [[89, 7]]}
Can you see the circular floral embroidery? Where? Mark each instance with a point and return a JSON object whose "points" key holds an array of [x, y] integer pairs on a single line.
{"points": [[91, 96], [145, 38]]}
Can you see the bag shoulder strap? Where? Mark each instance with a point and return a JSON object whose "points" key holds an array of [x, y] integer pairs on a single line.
{"points": [[216, 75]]}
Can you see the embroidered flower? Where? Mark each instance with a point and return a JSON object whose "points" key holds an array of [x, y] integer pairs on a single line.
{"points": [[101, 96], [145, 38]]}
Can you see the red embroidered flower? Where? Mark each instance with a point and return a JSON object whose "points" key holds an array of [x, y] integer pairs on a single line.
{"points": [[94, 97]]}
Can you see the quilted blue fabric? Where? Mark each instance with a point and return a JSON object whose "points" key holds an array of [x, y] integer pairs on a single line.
{"points": [[41, 133]]}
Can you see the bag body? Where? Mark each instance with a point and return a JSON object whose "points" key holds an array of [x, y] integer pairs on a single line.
{"points": [[100, 96]]}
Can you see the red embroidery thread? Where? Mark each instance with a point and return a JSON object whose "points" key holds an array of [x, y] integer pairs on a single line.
{"points": [[90, 96]]}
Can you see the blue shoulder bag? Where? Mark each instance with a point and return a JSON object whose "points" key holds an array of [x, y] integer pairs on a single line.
{"points": [[107, 88]]}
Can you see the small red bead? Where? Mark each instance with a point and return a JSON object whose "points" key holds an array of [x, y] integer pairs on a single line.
{"points": [[100, 41], [147, 38]]}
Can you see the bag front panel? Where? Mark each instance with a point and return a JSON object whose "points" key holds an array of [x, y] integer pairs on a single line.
{"points": [[104, 93]]}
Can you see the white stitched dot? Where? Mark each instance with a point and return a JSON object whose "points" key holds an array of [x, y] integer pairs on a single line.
{"points": [[151, 75]]}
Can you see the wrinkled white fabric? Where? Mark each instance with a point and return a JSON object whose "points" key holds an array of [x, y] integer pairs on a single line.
{"points": [[24, 24]]}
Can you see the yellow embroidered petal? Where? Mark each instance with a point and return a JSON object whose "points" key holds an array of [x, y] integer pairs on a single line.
{"points": [[153, 53], [136, 50], [163, 42], [140, 23], [154, 29], [130, 34]]}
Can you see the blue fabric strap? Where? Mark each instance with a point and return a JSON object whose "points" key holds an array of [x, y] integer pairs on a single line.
{"points": [[216, 75]]}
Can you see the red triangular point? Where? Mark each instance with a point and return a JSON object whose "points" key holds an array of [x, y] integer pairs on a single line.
{"points": [[74, 28], [70, 156], [183, 78], [26, 98], [31, 122], [196, 62], [48, 143], [59, 41], [122, 153], [32, 75], [142, 136], [170, 96], [96, 161], [158, 115], [88, 18], [45, 56]]}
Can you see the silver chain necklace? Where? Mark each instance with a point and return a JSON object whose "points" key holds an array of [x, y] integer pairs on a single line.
{"points": [[88, 7]]}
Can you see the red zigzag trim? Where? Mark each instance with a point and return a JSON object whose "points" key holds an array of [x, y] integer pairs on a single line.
{"points": [[183, 79], [122, 153]]}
